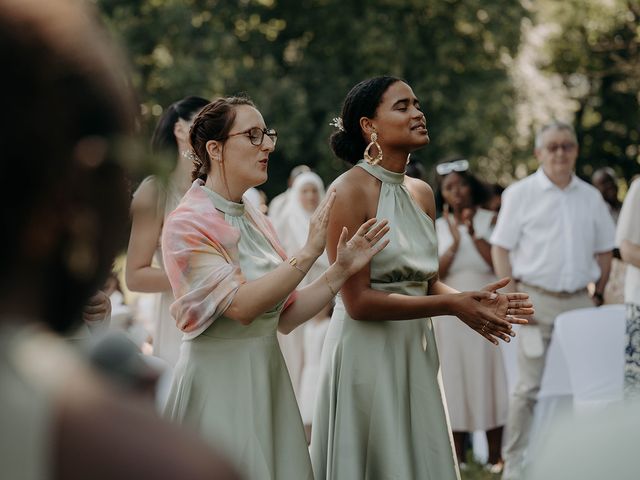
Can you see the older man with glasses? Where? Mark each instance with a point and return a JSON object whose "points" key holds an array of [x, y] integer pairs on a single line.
{"points": [[554, 236]]}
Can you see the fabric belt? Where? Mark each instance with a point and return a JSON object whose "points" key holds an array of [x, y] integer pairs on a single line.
{"points": [[561, 294]]}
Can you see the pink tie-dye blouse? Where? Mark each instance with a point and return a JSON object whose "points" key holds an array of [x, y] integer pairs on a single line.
{"points": [[201, 259]]}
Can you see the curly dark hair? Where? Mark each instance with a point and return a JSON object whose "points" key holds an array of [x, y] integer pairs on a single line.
{"points": [[479, 190], [361, 101]]}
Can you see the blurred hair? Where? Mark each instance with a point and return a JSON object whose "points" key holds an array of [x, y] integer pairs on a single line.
{"points": [[212, 123], [66, 106], [361, 101], [479, 192], [494, 189], [606, 171], [163, 139], [297, 170], [416, 170], [555, 125]]}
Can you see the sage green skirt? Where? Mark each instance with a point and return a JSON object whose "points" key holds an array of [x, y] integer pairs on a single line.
{"points": [[380, 414], [231, 385]]}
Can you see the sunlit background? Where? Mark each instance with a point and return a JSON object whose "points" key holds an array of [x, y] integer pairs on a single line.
{"points": [[487, 71]]}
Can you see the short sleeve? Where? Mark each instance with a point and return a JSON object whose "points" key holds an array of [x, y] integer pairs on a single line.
{"points": [[507, 231], [629, 219], [203, 280]]}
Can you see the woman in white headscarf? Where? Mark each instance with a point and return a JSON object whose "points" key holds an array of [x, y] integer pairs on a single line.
{"points": [[307, 191]]}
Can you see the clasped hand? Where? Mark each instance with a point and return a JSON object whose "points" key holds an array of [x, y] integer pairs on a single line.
{"points": [[491, 314]]}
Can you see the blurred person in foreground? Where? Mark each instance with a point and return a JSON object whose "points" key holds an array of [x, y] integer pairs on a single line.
{"points": [[628, 238], [66, 105], [471, 367], [596, 445], [555, 236]]}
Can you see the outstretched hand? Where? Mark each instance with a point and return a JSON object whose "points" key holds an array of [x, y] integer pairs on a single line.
{"points": [[507, 306], [355, 253], [317, 238]]}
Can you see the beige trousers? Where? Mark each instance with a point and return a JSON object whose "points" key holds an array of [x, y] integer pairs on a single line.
{"points": [[532, 354]]}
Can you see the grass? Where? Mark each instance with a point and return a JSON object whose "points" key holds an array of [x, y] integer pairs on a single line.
{"points": [[475, 470]]}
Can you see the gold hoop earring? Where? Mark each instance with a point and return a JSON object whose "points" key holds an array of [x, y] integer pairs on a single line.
{"points": [[367, 156]]}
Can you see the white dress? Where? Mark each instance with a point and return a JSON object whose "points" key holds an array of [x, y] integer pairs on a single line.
{"points": [[314, 334], [472, 368], [167, 338], [292, 225]]}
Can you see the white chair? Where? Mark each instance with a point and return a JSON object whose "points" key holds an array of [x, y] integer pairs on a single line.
{"points": [[555, 379], [553, 397], [593, 343]]}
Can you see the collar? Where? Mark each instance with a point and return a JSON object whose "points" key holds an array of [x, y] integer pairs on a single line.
{"points": [[546, 184], [226, 206]]}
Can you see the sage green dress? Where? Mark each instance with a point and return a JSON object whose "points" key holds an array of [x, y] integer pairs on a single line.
{"points": [[231, 383], [380, 413]]}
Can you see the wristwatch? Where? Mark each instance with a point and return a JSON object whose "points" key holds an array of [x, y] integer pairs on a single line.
{"points": [[599, 296]]}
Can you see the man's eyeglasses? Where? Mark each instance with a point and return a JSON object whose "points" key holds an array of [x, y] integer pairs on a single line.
{"points": [[566, 147], [456, 166], [256, 135]]}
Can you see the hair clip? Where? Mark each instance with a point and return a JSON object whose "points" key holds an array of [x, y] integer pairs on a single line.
{"points": [[189, 155], [336, 122]]}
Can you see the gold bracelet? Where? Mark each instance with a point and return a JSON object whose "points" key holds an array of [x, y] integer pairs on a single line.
{"points": [[293, 261], [326, 279]]}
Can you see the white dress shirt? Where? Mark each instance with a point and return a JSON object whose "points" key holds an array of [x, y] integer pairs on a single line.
{"points": [[629, 229], [553, 234]]}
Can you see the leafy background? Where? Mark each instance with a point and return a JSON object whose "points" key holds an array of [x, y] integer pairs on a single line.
{"points": [[488, 72]]}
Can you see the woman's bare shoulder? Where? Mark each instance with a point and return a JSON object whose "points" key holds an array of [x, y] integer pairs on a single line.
{"points": [[147, 197], [422, 194], [353, 182]]}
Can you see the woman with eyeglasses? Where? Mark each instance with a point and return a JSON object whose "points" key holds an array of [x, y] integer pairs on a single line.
{"points": [[473, 371], [380, 411], [154, 199], [235, 287]]}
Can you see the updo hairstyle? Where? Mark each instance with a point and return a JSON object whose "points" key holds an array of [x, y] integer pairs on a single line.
{"points": [[163, 138], [361, 101], [212, 123]]}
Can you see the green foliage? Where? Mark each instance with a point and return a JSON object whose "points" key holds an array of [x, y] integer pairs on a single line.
{"points": [[298, 58], [597, 51]]}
